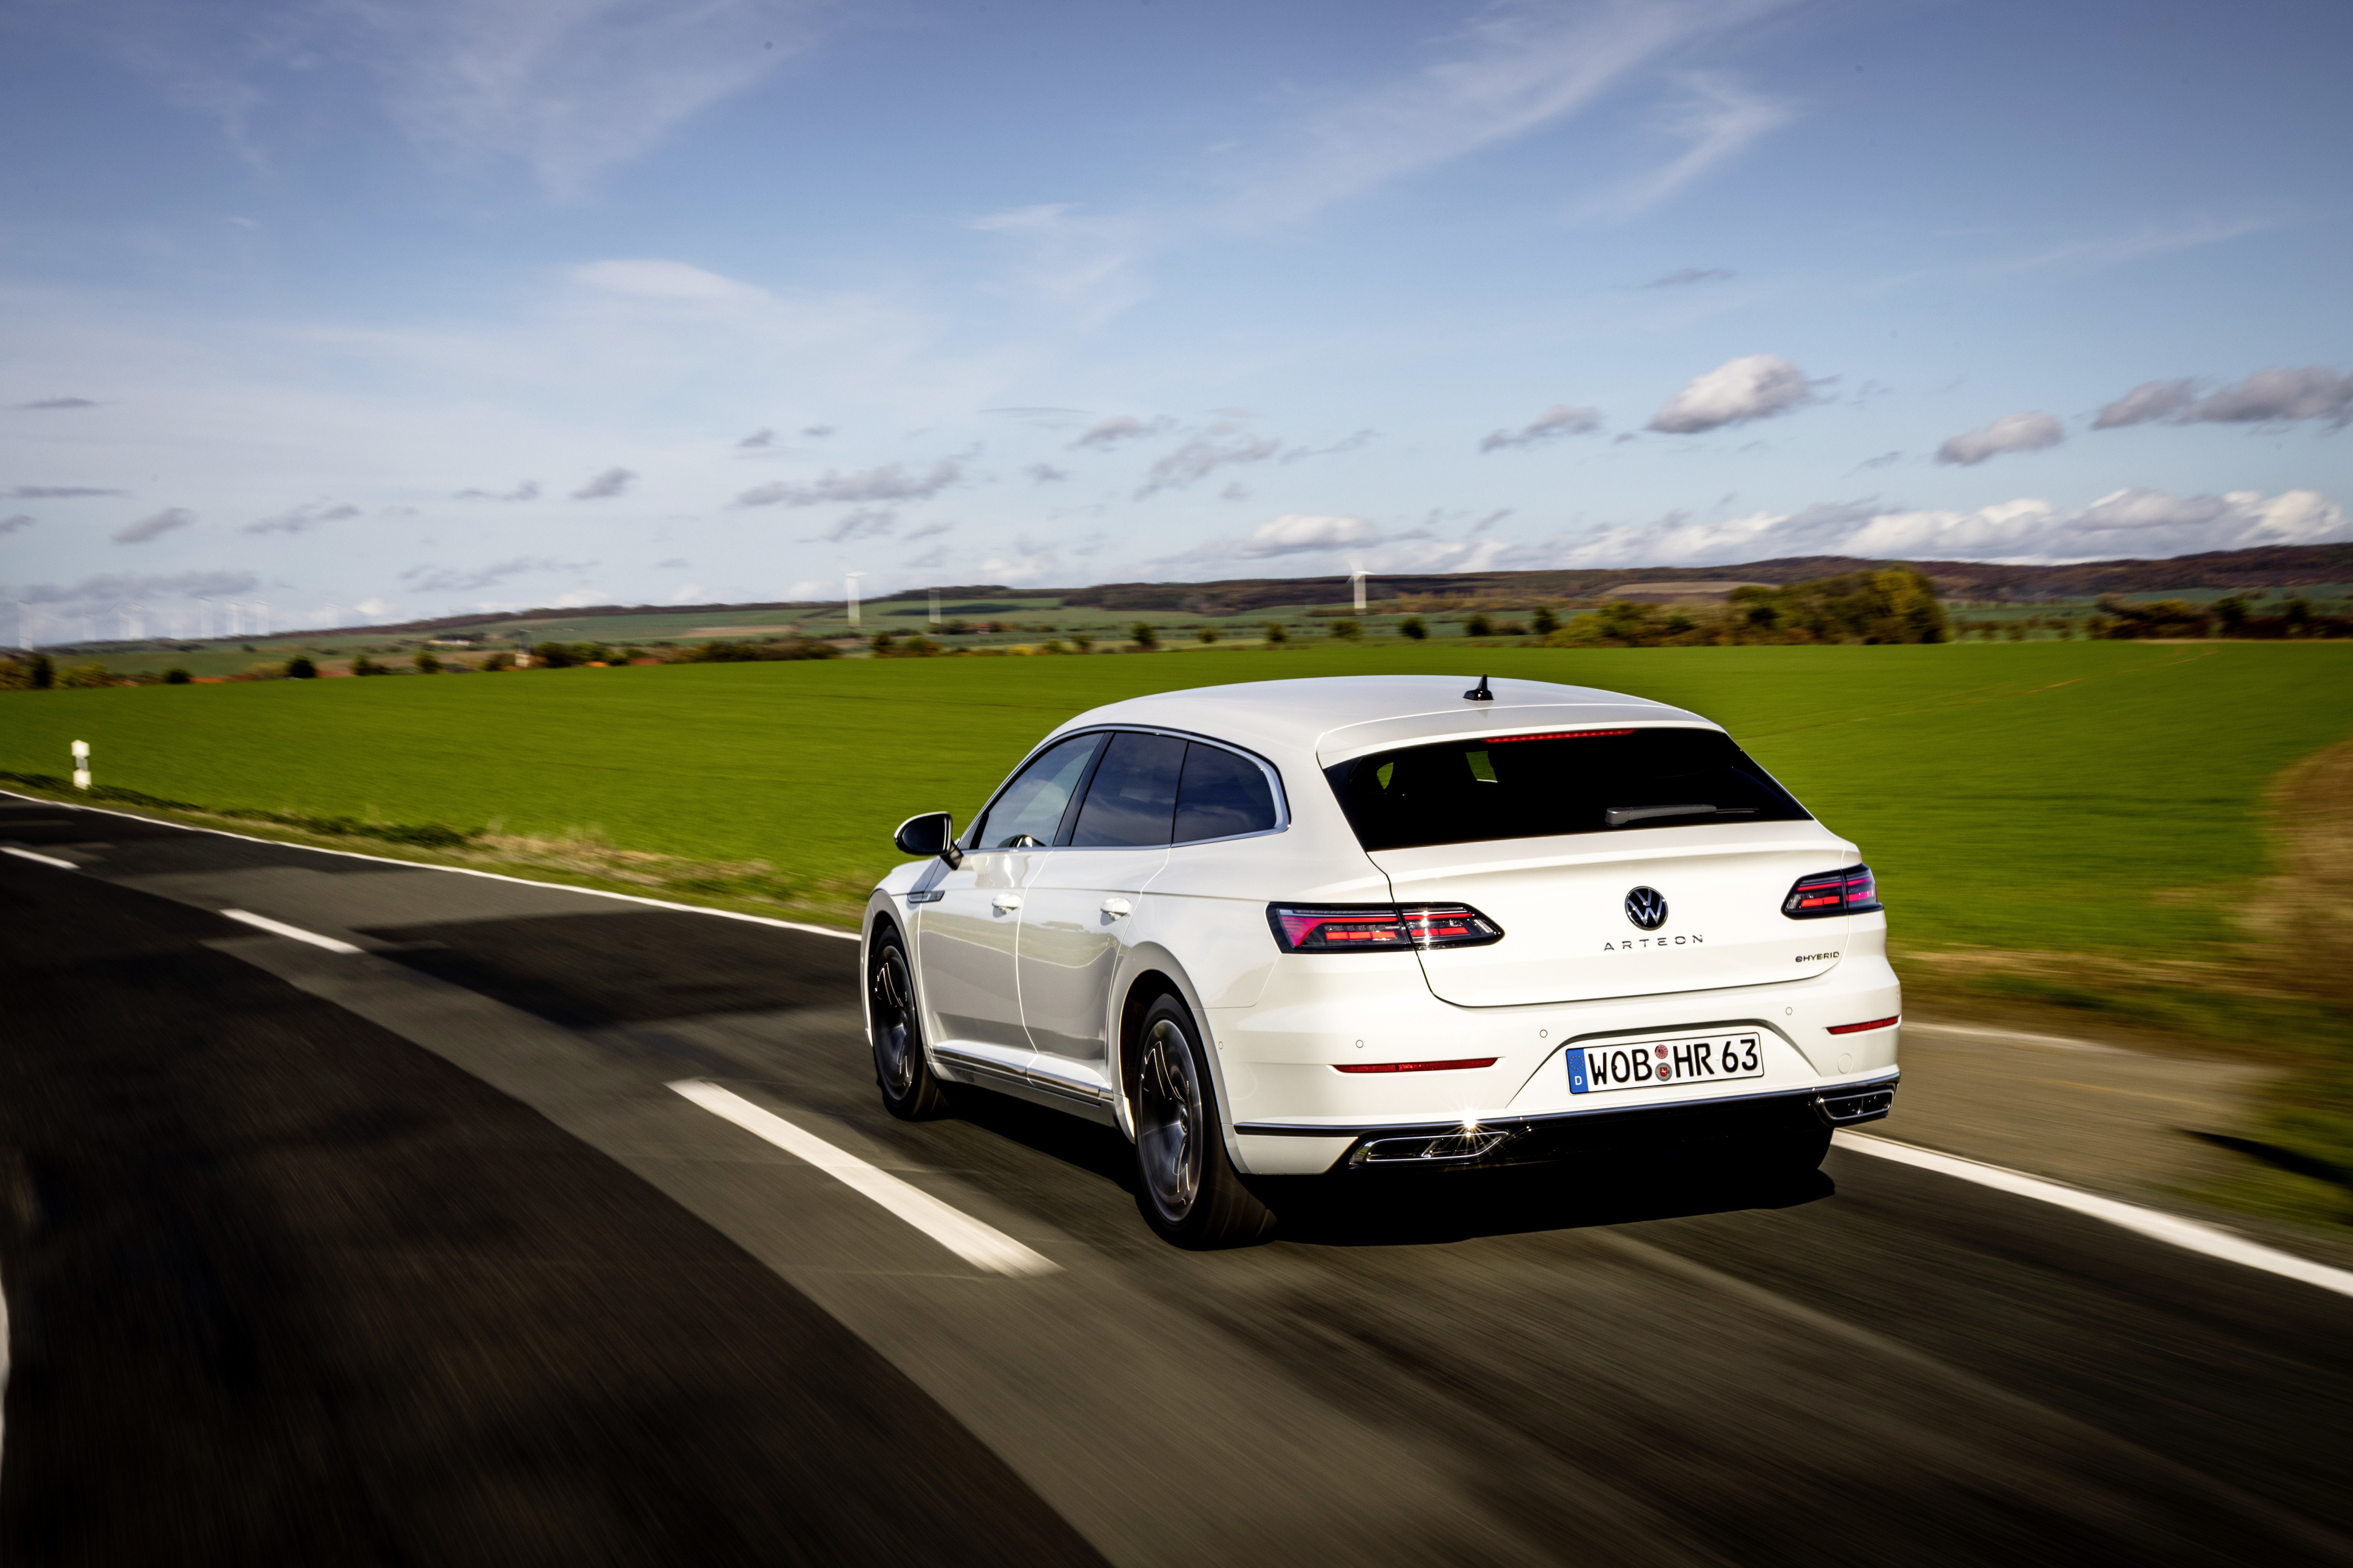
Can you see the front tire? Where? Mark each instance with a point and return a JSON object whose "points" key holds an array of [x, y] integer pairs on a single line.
{"points": [[1189, 1191], [910, 1090]]}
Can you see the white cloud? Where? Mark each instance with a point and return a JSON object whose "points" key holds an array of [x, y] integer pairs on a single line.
{"points": [[459, 580], [2129, 522], [1511, 69], [1755, 386], [1716, 119], [528, 490], [889, 482], [1199, 457], [377, 609], [654, 279], [2267, 397], [302, 519], [1106, 434], [1553, 423], [1296, 534], [2010, 433], [610, 484], [11, 524], [1086, 263], [2150, 400], [155, 527]]}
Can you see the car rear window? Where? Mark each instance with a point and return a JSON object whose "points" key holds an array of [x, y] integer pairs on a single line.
{"points": [[1523, 786]]}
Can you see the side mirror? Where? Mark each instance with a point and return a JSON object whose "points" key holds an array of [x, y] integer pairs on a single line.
{"points": [[933, 833]]}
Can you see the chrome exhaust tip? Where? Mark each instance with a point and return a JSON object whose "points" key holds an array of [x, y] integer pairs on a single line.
{"points": [[1470, 1143], [1845, 1107]]}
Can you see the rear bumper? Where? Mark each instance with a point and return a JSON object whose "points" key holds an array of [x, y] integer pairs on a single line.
{"points": [[1529, 1140]]}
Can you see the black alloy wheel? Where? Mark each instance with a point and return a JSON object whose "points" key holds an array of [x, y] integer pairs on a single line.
{"points": [[910, 1093], [1189, 1191]]}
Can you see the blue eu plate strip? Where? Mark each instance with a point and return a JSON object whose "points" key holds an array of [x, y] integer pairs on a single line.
{"points": [[1578, 1082]]}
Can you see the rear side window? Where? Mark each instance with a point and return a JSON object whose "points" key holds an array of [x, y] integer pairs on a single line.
{"points": [[1621, 781], [1221, 795], [1032, 805], [1132, 800]]}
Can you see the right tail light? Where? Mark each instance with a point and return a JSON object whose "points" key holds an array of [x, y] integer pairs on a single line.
{"points": [[1852, 891], [1375, 928]]}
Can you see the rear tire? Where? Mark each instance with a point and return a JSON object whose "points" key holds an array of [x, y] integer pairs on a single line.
{"points": [[1189, 1191], [910, 1090]]}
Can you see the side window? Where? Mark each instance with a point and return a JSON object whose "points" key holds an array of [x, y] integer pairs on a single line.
{"points": [[1134, 797], [1031, 808], [1222, 795]]}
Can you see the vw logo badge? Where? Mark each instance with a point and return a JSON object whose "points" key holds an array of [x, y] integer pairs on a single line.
{"points": [[1647, 908]]}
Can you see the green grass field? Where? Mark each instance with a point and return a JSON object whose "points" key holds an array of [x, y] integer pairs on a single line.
{"points": [[2038, 796]]}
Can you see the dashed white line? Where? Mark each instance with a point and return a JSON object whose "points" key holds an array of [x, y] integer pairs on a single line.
{"points": [[279, 928], [983, 1246], [2186, 1234], [43, 859]]}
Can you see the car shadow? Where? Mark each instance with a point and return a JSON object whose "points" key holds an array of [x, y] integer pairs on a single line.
{"points": [[1418, 1209], [1423, 1207]]}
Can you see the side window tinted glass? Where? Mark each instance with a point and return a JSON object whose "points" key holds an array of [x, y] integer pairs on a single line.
{"points": [[1134, 797], [1222, 795], [1031, 808]]}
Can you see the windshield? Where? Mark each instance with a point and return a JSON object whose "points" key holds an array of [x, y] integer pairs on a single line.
{"points": [[1534, 786]]}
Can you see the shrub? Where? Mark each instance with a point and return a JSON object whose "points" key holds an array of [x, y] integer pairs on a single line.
{"points": [[85, 675], [1512, 629], [1146, 636], [1345, 630], [1477, 626], [176, 676], [299, 668], [427, 664], [501, 659], [1411, 627], [363, 665], [1544, 621], [39, 673], [881, 643], [1276, 633], [1081, 641], [552, 655], [1206, 631]]}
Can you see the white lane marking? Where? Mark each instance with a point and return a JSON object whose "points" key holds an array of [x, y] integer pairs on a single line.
{"points": [[3, 1367], [983, 1246], [2187, 1234], [279, 928], [468, 871], [2011, 1037], [43, 859]]}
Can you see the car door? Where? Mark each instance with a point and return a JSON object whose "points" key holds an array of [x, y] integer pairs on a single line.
{"points": [[965, 934], [1078, 910]]}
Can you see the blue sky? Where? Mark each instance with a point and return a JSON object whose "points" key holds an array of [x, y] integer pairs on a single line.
{"points": [[369, 309]]}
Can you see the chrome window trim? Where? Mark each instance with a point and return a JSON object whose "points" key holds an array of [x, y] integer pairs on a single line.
{"points": [[1274, 779]]}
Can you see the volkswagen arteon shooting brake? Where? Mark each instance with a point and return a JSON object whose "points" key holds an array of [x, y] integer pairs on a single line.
{"points": [[1303, 926]]}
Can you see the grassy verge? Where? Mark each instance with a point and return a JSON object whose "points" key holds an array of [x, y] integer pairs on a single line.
{"points": [[2069, 834]]}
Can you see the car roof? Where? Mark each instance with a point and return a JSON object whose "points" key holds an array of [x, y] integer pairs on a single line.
{"points": [[1335, 718]]}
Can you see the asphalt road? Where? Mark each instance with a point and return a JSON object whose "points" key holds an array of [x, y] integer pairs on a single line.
{"points": [[409, 1256]]}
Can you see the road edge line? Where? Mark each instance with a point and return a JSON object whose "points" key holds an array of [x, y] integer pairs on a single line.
{"points": [[2189, 1234], [983, 1246], [43, 859], [457, 870]]}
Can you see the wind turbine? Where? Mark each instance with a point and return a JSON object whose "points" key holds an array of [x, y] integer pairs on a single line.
{"points": [[849, 580], [1356, 582]]}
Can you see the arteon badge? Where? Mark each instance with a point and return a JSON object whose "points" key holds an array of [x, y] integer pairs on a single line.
{"points": [[1647, 908]]}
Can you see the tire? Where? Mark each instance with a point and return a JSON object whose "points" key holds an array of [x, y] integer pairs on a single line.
{"points": [[909, 1091], [1189, 1191]]}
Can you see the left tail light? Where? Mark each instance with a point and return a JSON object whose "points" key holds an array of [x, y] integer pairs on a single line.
{"points": [[1378, 928], [1852, 891]]}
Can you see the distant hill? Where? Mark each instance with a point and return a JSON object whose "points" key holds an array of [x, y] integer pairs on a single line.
{"points": [[2270, 566]]}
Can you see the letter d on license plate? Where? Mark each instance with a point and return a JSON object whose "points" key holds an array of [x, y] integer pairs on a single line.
{"points": [[1652, 1064]]}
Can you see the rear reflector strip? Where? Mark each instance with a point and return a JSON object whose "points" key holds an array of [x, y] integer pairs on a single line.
{"points": [[1861, 1028], [1421, 1067]]}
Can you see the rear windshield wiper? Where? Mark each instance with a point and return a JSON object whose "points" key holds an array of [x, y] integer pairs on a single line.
{"points": [[1619, 815]]}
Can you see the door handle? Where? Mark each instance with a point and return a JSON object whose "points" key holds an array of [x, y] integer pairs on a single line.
{"points": [[1006, 901], [1116, 906]]}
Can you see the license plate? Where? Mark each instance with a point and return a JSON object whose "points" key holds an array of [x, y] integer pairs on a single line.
{"points": [[1657, 1064]]}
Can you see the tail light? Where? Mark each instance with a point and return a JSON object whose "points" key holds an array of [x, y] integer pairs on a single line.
{"points": [[1849, 892], [1378, 928]]}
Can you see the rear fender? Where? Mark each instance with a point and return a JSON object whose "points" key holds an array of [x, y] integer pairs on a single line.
{"points": [[1145, 960]]}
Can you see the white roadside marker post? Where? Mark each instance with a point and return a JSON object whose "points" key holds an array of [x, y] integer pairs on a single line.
{"points": [[81, 764]]}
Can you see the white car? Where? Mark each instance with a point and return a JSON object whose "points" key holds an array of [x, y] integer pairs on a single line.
{"points": [[1381, 922]]}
